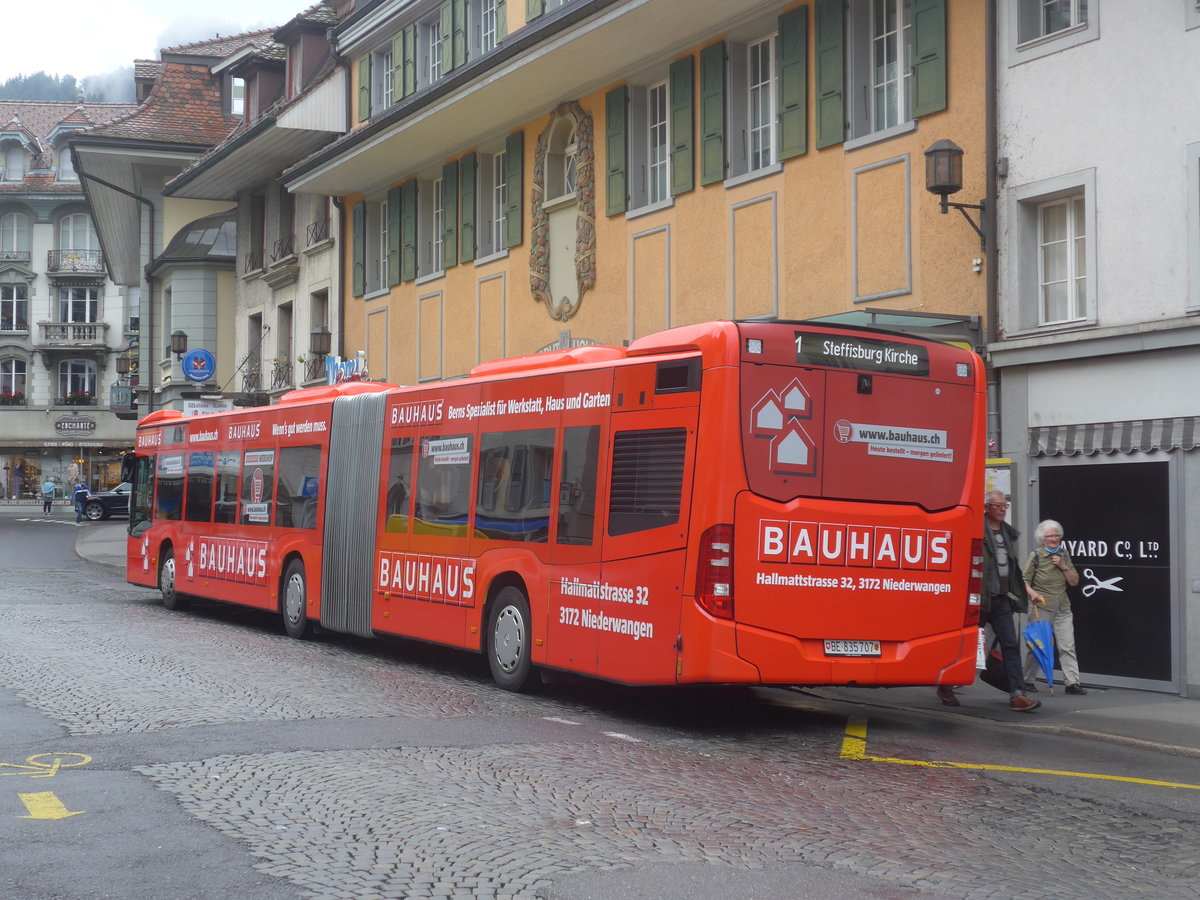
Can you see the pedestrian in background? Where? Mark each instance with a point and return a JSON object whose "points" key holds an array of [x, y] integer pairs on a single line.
{"points": [[80, 496], [47, 496], [1048, 572], [1004, 592]]}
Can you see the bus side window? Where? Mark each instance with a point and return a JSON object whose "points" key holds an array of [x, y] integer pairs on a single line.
{"points": [[513, 499], [577, 491], [258, 482], [647, 479], [168, 500], [142, 502], [229, 467], [297, 487], [198, 507], [398, 497], [442, 494]]}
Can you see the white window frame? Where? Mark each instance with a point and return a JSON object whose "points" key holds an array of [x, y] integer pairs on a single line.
{"points": [[658, 142], [739, 120], [14, 162], [67, 309], [1069, 244], [431, 47], [76, 376], [383, 66], [13, 381], [14, 305], [1023, 48], [67, 227], [1024, 266], [492, 197], [66, 168], [488, 26], [237, 96], [760, 124], [862, 83], [429, 229], [14, 231], [375, 260]]}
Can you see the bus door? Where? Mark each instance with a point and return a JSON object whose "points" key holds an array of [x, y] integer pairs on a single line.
{"points": [[634, 608], [141, 505]]}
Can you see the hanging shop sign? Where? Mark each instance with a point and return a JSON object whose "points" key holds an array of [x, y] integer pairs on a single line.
{"points": [[199, 366]]}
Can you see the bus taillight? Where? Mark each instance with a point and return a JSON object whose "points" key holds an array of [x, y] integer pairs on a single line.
{"points": [[714, 574], [974, 584]]}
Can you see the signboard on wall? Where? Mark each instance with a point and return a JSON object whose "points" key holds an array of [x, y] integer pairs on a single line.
{"points": [[1116, 524]]}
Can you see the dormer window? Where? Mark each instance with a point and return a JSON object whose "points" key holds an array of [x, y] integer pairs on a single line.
{"points": [[237, 96], [66, 169], [14, 163]]}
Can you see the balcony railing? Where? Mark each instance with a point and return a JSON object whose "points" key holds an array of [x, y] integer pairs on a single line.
{"points": [[318, 231], [74, 332], [283, 248], [281, 374], [87, 261], [254, 260], [251, 381], [15, 255], [18, 321], [314, 369]]}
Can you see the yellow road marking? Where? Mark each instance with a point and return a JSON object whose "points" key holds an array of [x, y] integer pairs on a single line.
{"points": [[854, 746], [45, 806]]}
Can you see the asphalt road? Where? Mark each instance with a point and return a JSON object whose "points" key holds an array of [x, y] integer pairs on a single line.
{"points": [[151, 754]]}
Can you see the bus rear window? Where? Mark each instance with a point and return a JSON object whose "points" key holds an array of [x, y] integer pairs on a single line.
{"points": [[647, 479]]}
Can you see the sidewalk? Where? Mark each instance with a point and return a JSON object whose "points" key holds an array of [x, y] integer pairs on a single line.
{"points": [[1162, 722]]}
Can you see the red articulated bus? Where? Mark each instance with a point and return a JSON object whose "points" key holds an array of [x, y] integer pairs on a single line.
{"points": [[730, 502]]}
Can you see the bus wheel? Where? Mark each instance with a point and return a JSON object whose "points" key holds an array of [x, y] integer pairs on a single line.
{"points": [[171, 597], [509, 639], [294, 601]]}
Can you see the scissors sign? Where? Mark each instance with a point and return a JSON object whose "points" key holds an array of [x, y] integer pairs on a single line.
{"points": [[1098, 585]]}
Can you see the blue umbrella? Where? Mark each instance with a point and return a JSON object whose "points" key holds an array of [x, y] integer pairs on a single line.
{"points": [[1039, 638]]}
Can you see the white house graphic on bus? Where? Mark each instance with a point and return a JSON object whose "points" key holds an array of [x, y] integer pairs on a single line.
{"points": [[776, 417]]}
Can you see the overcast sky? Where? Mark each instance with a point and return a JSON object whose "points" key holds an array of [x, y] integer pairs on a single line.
{"points": [[93, 37]]}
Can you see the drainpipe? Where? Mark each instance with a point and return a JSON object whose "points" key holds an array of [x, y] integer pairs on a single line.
{"points": [[340, 264], [149, 331], [992, 261]]}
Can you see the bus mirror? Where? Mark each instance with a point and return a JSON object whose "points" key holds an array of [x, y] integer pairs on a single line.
{"points": [[127, 464]]}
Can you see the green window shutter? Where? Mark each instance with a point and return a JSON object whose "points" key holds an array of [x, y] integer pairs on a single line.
{"points": [[408, 38], [364, 88], [393, 247], [831, 73], [449, 215], [533, 9], [447, 33], [683, 125], [513, 186], [929, 56], [358, 239], [615, 104], [398, 67], [460, 33], [793, 83], [501, 20], [712, 113], [466, 172], [408, 230]]}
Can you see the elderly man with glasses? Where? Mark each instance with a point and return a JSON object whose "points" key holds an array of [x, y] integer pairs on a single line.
{"points": [[1004, 592]]}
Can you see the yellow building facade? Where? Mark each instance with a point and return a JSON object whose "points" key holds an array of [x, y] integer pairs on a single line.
{"points": [[527, 173]]}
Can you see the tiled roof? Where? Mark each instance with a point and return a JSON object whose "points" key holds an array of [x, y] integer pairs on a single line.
{"points": [[146, 68], [38, 120], [223, 46], [183, 107]]}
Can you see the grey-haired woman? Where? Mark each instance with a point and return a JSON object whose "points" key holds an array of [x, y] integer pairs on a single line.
{"points": [[1048, 572]]}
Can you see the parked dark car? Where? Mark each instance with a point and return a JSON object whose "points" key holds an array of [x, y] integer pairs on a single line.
{"points": [[103, 504]]}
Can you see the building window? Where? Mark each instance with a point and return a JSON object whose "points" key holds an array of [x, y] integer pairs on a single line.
{"points": [[66, 168], [14, 236], [237, 96], [437, 224], [493, 197], [167, 312], [78, 305], [489, 33], [1052, 263], [1062, 261], [75, 232], [13, 384], [760, 81], [76, 378], [14, 307], [658, 137], [891, 62], [432, 32], [561, 158], [1041, 18], [1041, 27], [14, 163], [383, 69], [376, 249], [430, 220]]}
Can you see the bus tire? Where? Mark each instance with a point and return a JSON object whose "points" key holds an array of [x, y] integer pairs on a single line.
{"points": [[509, 640], [293, 601], [171, 597]]}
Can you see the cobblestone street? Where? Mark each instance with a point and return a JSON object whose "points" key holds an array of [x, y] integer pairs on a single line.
{"points": [[387, 770]]}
